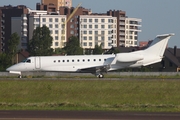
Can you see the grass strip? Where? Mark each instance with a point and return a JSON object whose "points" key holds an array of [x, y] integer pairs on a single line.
{"points": [[124, 95]]}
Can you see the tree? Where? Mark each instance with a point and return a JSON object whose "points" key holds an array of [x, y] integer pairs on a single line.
{"points": [[98, 50], [5, 61], [13, 43], [113, 50], [40, 44], [59, 51], [73, 46]]}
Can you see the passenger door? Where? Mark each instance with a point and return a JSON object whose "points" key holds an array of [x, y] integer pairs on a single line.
{"points": [[37, 62]]}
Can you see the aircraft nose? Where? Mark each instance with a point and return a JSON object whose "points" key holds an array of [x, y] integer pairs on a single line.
{"points": [[8, 69]]}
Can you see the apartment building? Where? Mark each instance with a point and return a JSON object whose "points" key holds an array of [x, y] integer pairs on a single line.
{"points": [[8, 16], [53, 5], [132, 29], [55, 23], [97, 30], [121, 23]]}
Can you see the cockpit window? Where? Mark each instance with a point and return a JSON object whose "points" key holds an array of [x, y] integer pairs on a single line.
{"points": [[27, 61]]}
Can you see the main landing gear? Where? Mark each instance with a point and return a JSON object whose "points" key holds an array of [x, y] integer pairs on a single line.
{"points": [[20, 76], [100, 76]]}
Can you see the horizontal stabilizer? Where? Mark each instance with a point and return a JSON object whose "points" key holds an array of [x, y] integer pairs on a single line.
{"points": [[165, 35]]}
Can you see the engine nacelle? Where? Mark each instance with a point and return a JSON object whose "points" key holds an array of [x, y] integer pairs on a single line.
{"points": [[129, 57]]}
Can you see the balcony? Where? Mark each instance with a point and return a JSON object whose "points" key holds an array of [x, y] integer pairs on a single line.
{"points": [[2, 21], [122, 18], [2, 26], [24, 18], [2, 38], [24, 24]]}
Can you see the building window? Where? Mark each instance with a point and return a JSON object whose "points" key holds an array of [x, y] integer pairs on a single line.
{"points": [[90, 26], [44, 19], [96, 20], [84, 44], [110, 20], [90, 32], [96, 26], [56, 38], [56, 43], [62, 38], [90, 44], [136, 38], [85, 26], [102, 38], [102, 20], [50, 26], [56, 26], [102, 32], [56, 32], [72, 32], [85, 38], [102, 26], [90, 37], [50, 20], [85, 20], [85, 32], [63, 20], [36, 20], [90, 20], [96, 32], [72, 26], [56, 20]]}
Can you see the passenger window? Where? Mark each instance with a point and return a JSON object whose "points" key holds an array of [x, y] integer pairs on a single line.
{"points": [[94, 59], [72, 60], [83, 60], [78, 60], [99, 59], [59, 61], [104, 59], [88, 60]]}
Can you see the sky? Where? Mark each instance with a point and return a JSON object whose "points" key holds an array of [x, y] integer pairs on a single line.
{"points": [[158, 16]]}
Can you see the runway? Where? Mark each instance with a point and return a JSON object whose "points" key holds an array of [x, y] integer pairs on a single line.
{"points": [[85, 115]]}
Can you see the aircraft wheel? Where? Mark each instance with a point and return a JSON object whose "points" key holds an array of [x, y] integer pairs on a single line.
{"points": [[19, 76], [100, 76]]}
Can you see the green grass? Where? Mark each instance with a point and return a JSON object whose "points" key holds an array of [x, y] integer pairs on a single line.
{"points": [[128, 95]]}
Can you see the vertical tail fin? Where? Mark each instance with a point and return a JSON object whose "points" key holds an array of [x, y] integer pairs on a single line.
{"points": [[159, 44]]}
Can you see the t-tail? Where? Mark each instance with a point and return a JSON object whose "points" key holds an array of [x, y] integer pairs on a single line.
{"points": [[154, 53]]}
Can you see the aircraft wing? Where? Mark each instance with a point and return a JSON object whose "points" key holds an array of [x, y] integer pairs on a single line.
{"points": [[95, 69]]}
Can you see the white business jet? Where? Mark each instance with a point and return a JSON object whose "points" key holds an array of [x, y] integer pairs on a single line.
{"points": [[95, 64]]}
